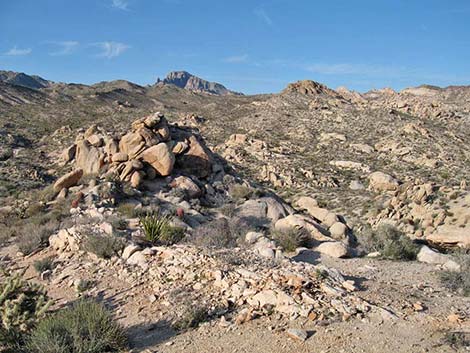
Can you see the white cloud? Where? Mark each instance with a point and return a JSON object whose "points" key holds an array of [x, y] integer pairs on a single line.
{"points": [[112, 49], [237, 59], [15, 51], [120, 4], [263, 15], [65, 48]]}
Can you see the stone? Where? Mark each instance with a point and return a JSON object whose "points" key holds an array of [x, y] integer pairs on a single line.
{"points": [[129, 250], [68, 154], [451, 236], [89, 158], [68, 180], [306, 203], [297, 334], [333, 249], [330, 219], [430, 256], [339, 231], [63, 240], [131, 144], [252, 237], [188, 186], [120, 157], [138, 259], [95, 140], [180, 147], [136, 179], [356, 185], [276, 208], [196, 160], [379, 181], [160, 158]]}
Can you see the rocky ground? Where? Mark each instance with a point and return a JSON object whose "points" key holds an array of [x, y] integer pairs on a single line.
{"points": [[266, 242]]}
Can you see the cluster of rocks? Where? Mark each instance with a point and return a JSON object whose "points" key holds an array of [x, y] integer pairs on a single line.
{"points": [[147, 151], [417, 209]]}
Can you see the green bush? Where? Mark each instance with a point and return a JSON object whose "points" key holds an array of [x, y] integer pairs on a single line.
{"points": [[104, 247], [22, 304], [158, 229], [86, 327], [34, 236], [240, 192], [43, 265], [292, 239], [191, 317], [458, 281], [219, 233], [389, 242]]}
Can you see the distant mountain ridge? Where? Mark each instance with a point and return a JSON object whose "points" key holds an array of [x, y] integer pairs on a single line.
{"points": [[185, 80], [24, 80]]}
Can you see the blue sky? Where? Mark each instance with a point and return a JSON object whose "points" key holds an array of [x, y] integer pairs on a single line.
{"points": [[248, 45]]}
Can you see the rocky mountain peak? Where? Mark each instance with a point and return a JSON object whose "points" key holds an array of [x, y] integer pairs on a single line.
{"points": [[308, 87], [185, 80], [22, 79]]}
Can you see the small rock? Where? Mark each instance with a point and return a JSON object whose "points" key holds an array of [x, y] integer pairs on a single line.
{"points": [[297, 334]]}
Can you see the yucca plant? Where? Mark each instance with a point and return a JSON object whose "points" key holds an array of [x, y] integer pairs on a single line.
{"points": [[158, 229], [22, 305]]}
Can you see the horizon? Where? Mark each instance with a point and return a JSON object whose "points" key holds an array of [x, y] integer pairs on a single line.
{"points": [[249, 47]]}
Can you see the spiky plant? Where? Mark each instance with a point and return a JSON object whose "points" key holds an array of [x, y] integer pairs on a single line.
{"points": [[159, 230], [22, 304]]}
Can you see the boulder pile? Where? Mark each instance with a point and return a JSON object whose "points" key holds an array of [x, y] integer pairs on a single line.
{"points": [[149, 150]]}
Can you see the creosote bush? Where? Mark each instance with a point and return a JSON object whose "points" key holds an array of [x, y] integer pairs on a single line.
{"points": [[86, 327], [103, 246], [43, 265], [158, 229], [291, 239], [458, 281], [22, 305], [390, 242], [240, 192], [191, 317], [34, 236], [219, 233]]}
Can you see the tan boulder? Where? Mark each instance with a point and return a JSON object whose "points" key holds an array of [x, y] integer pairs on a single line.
{"points": [[450, 236], [160, 158], [68, 180], [187, 185], [131, 144], [149, 136], [111, 147], [379, 181], [120, 157], [180, 147], [333, 249], [136, 179], [95, 140], [68, 154], [89, 158], [339, 231], [196, 161]]}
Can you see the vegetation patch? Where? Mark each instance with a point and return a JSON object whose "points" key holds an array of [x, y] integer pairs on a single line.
{"points": [[458, 281], [389, 242], [104, 247], [86, 327], [158, 229], [291, 239]]}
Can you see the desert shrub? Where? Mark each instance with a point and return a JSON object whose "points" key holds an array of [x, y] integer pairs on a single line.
{"points": [[128, 210], [33, 237], [104, 246], [219, 233], [43, 265], [191, 317], [291, 239], [86, 327], [159, 230], [240, 192], [390, 242], [22, 304], [458, 281], [457, 340]]}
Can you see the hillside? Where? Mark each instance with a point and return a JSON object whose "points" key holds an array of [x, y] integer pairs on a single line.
{"points": [[308, 219]]}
